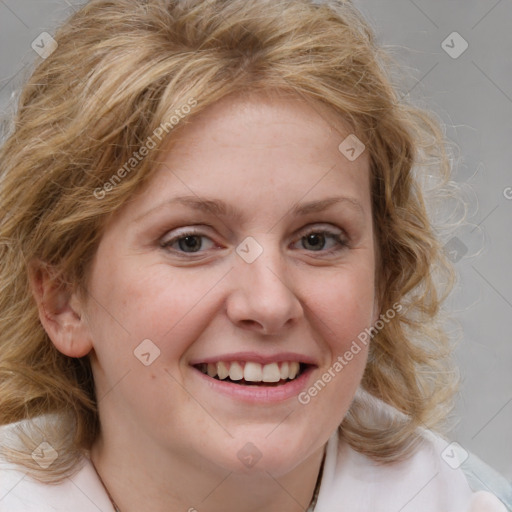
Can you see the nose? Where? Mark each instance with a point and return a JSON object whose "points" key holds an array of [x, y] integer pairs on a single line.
{"points": [[262, 299]]}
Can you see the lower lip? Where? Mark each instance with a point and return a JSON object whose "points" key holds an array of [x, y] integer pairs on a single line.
{"points": [[258, 394]]}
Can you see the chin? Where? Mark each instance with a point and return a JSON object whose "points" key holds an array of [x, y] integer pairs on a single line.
{"points": [[254, 451]]}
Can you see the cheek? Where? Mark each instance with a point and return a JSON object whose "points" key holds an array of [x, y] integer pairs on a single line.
{"points": [[167, 307], [343, 307]]}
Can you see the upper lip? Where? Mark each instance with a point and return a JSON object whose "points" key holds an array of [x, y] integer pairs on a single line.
{"points": [[256, 358]]}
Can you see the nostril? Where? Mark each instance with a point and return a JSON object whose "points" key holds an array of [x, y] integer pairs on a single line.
{"points": [[249, 323]]}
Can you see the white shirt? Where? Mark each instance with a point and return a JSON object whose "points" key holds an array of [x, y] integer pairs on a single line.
{"points": [[351, 482]]}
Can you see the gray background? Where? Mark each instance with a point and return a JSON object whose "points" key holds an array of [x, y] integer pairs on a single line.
{"points": [[472, 94]]}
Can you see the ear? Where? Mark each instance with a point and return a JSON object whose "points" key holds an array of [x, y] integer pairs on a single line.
{"points": [[60, 311]]}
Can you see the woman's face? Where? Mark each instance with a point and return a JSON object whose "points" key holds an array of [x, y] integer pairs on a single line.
{"points": [[249, 253]]}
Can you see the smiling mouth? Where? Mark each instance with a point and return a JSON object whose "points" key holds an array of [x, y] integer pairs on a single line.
{"points": [[253, 374]]}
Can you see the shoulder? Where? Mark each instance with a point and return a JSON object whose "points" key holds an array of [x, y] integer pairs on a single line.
{"points": [[20, 492], [438, 477]]}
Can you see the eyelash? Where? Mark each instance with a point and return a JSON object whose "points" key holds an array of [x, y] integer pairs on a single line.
{"points": [[342, 243]]}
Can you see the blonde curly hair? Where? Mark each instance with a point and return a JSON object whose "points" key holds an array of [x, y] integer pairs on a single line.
{"points": [[120, 70]]}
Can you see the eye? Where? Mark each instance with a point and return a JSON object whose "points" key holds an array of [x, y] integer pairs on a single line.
{"points": [[322, 240], [188, 242], [318, 240]]}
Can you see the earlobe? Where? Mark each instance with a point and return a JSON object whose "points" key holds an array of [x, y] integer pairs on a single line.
{"points": [[60, 311]]}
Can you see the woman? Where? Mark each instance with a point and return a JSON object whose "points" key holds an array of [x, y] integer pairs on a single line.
{"points": [[219, 280]]}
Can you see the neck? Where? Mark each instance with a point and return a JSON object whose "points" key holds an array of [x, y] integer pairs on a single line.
{"points": [[159, 481]]}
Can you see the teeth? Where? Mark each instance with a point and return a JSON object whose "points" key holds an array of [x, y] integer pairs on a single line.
{"points": [[236, 372], [222, 370], [211, 370], [293, 370], [252, 372], [271, 373], [284, 370]]}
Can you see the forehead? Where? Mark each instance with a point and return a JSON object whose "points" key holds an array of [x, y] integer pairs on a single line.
{"points": [[266, 121], [260, 151]]}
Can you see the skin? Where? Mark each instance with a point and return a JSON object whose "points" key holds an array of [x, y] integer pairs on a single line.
{"points": [[169, 441]]}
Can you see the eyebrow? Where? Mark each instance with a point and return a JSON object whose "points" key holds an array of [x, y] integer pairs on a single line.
{"points": [[221, 209], [325, 204]]}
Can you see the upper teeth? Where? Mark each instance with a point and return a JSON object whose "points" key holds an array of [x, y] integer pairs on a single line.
{"points": [[252, 372]]}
